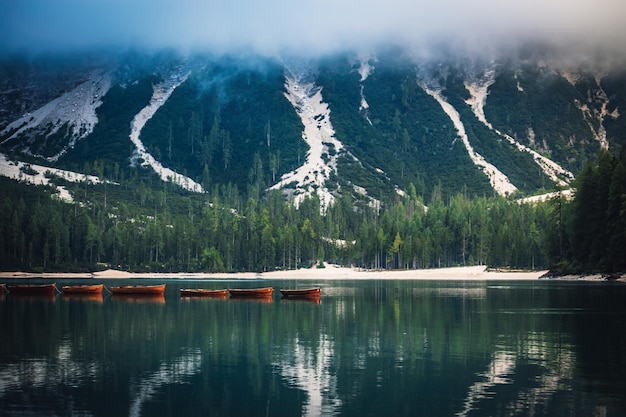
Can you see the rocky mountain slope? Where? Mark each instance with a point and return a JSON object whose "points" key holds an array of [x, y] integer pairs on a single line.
{"points": [[371, 125]]}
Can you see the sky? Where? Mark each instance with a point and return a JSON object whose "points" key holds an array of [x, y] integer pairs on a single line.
{"points": [[319, 26]]}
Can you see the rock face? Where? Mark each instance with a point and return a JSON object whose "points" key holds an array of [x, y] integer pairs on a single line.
{"points": [[369, 125]]}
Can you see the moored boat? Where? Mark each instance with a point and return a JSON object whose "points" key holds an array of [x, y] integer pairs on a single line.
{"points": [[83, 289], [139, 290], [199, 292], [301, 292], [251, 292], [32, 289]]}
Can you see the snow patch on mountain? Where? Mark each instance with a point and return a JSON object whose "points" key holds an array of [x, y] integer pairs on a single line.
{"points": [[499, 182], [321, 159], [364, 105], [365, 69], [567, 194], [40, 175], [161, 92], [75, 109], [478, 88], [519, 86]]}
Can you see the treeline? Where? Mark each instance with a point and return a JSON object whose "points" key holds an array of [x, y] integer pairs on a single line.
{"points": [[143, 226], [590, 231], [166, 230]]}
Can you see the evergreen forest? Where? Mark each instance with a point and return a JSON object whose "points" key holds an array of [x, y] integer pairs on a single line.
{"points": [[137, 223]]}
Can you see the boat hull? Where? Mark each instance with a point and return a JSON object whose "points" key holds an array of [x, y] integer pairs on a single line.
{"points": [[152, 290], [188, 292], [83, 289], [252, 292], [32, 289], [301, 293]]}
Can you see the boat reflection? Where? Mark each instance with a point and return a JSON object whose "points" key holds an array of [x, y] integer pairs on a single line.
{"points": [[192, 298], [96, 298], [129, 298], [265, 299], [307, 300]]}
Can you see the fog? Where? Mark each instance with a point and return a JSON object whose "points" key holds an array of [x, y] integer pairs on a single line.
{"points": [[306, 27]]}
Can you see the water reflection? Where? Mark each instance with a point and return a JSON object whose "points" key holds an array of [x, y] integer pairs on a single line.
{"points": [[532, 363], [383, 348], [308, 368], [138, 299], [172, 372], [96, 298], [498, 372], [60, 369]]}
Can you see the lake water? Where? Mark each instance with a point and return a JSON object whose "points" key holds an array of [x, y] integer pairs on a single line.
{"points": [[368, 348]]}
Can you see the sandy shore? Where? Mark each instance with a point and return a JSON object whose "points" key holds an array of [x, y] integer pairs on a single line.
{"points": [[330, 272]]}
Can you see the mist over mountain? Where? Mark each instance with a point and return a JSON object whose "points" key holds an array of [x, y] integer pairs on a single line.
{"points": [[371, 125], [277, 27]]}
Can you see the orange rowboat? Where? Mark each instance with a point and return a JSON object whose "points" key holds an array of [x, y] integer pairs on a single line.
{"points": [[301, 293], [139, 290], [83, 289], [32, 289], [252, 292], [189, 292]]}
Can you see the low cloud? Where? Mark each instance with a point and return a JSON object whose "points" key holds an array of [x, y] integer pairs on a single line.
{"points": [[311, 27]]}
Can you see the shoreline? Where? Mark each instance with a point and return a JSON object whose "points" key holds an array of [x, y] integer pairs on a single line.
{"points": [[330, 272]]}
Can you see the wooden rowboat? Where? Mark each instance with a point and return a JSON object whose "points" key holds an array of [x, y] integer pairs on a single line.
{"points": [[252, 292], [139, 290], [32, 289], [191, 292], [301, 293], [83, 289]]}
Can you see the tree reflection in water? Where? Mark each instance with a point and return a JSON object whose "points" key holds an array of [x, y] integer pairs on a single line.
{"points": [[309, 369]]}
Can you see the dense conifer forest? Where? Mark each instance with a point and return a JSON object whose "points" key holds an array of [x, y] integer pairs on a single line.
{"points": [[589, 233], [137, 223], [229, 127]]}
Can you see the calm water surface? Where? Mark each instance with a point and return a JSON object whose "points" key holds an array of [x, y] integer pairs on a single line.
{"points": [[368, 348]]}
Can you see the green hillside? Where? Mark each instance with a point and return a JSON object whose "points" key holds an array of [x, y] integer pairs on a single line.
{"points": [[406, 192]]}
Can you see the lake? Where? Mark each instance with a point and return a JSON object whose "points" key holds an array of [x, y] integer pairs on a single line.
{"points": [[368, 348]]}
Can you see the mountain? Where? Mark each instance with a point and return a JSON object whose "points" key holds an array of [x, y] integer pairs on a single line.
{"points": [[373, 126]]}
